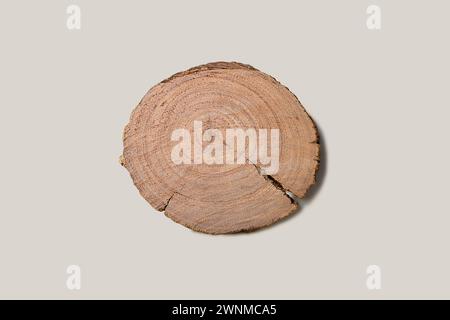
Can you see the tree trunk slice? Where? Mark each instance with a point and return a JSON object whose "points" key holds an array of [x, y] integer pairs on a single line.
{"points": [[220, 198]]}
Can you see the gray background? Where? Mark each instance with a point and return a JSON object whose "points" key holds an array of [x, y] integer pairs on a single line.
{"points": [[380, 99]]}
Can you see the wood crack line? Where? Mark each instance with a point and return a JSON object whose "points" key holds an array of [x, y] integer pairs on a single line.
{"points": [[168, 201], [277, 184], [268, 178]]}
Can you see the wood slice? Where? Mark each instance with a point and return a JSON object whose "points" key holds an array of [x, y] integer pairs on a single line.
{"points": [[229, 197]]}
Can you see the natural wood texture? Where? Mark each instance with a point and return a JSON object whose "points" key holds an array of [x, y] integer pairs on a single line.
{"points": [[220, 198]]}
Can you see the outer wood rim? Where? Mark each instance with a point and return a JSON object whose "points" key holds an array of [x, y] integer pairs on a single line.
{"points": [[220, 198]]}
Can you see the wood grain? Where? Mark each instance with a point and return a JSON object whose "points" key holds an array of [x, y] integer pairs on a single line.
{"points": [[220, 198]]}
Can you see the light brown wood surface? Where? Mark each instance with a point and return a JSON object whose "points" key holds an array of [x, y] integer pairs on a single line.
{"points": [[220, 198]]}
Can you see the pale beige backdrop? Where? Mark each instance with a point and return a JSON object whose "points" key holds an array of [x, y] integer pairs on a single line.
{"points": [[380, 98]]}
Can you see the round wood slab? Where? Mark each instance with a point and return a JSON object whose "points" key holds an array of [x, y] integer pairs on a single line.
{"points": [[223, 196]]}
